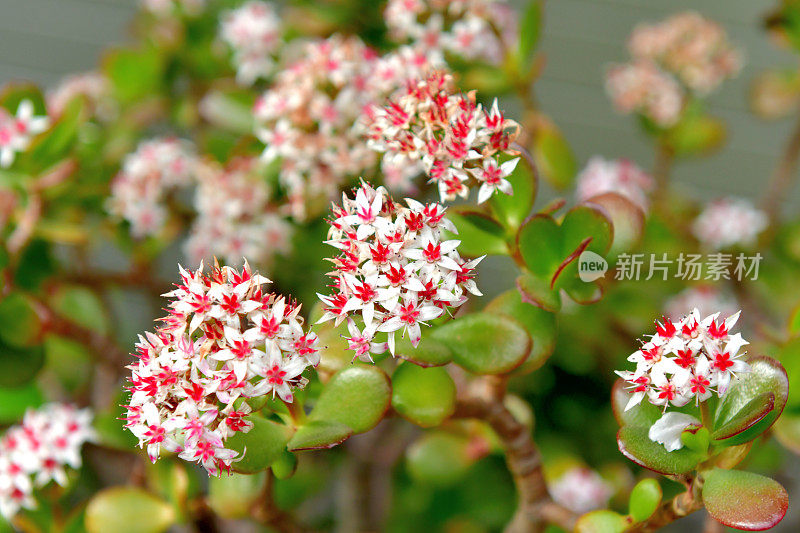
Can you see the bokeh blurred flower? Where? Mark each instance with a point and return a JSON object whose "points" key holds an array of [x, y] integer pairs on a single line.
{"points": [[581, 490], [641, 87], [620, 176], [17, 131], [729, 222], [707, 299], [395, 272], [253, 31], [93, 86]]}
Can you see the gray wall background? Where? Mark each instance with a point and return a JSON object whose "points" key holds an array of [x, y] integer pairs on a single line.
{"points": [[43, 40]]}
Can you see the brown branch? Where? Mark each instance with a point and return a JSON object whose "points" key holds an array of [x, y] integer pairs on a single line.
{"points": [[535, 507], [783, 176], [267, 513]]}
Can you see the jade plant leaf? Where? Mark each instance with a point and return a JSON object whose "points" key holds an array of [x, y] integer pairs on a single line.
{"points": [[744, 500], [357, 397], [429, 352], [539, 243], [553, 155], [22, 326], [439, 458], [486, 343], [740, 408], [128, 510], [233, 496], [319, 434], [425, 396], [479, 234], [627, 218], [635, 444], [260, 446], [537, 292], [643, 414], [540, 325], [512, 210], [644, 500], [603, 521]]}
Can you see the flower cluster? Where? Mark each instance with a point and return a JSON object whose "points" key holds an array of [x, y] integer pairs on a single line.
{"points": [[147, 176], [690, 46], [729, 222], [253, 31], [17, 131], [430, 127], [38, 451], [641, 87], [224, 338], [619, 176], [581, 490], [234, 216], [311, 117], [689, 359], [93, 86], [394, 269], [473, 29]]}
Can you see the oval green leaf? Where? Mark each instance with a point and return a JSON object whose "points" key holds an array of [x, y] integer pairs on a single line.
{"points": [[744, 500], [127, 510], [357, 397], [439, 458], [424, 396], [602, 521], [645, 499], [318, 435], [635, 444], [260, 446]]}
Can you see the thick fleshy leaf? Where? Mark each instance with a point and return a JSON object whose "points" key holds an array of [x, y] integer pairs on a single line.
{"points": [[644, 414], [553, 155], [429, 352], [260, 446], [696, 134], [766, 375], [54, 145], [530, 30], [134, 73], [14, 402], [21, 325], [749, 415], [744, 500], [127, 510], [539, 243], [233, 496], [82, 306], [285, 466], [485, 343], [602, 521], [540, 325], [439, 458], [626, 218], [425, 396], [697, 439], [512, 210], [644, 500], [319, 434], [479, 234], [587, 221], [787, 431], [357, 397], [334, 354], [635, 444], [19, 366], [536, 291]]}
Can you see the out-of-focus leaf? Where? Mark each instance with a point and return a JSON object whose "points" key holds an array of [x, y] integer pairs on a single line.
{"points": [[319, 434], [81, 306], [285, 466], [357, 397], [15, 401], [233, 496], [127, 510], [439, 458], [530, 29], [485, 343], [635, 444], [554, 157], [512, 210], [602, 521], [260, 446], [20, 325], [626, 218], [69, 360], [425, 396], [231, 110], [478, 233], [134, 74], [645, 499], [775, 93], [19, 366], [695, 134], [53, 145], [744, 500]]}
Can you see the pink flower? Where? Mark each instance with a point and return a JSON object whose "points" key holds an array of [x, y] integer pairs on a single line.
{"points": [[619, 176], [253, 31], [729, 222], [17, 131]]}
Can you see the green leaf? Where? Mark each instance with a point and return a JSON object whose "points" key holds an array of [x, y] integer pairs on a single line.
{"points": [[260, 446], [439, 458], [485, 343], [553, 156], [766, 375], [539, 243], [19, 366], [429, 352], [645, 499], [540, 325], [635, 444], [536, 291], [425, 396], [54, 145], [530, 30], [357, 397], [602, 521], [744, 500], [134, 74], [81, 306], [319, 434], [20, 325], [479, 234], [749, 415], [15, 401], [644, 414], [512, 210], [697, 439], [627, 220], [695, 134], [127, 510], [285, 466], [231, 110], [233, 496]]}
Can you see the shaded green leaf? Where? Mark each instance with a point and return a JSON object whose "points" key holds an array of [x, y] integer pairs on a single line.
{"points": [[439, 458], [260, 446], [127, 510], [319, 434], [536, 291], [635, 444], [479, 234], [429, 352], [425, 396], [644, 500], [602, 521]]}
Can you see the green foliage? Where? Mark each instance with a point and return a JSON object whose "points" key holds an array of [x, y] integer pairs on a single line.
{"points": [[601, 522], [644, 500], [554, 157], [259, 447], [744, 500], [425, 396], [234, 496], [356, 397], [439, 458], [127, 510], [479, 233]]}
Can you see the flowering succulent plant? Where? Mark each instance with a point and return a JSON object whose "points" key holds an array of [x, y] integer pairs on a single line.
{"points": [[218, 138]]}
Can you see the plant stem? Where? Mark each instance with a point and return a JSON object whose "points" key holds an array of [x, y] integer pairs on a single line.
{"points": [[535, 507], [706, 416], [783, 176], [662, 168]]}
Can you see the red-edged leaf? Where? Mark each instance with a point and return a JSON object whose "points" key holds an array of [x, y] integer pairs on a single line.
{"points": [[748, 416], [744, 500], [569, 259], [635, 444]]}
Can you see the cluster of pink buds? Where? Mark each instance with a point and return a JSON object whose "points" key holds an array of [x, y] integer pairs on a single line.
{"points": [[431, 127], [620, 176], [729, 222], [473, 29], [37, 451], [235, 218], [139, 190], [253, 31], [311, 117], [224, 338], [686, 360], [93, 86], [641, 87], [17, 131], [581, 490], [394, 270], [692, 47]]}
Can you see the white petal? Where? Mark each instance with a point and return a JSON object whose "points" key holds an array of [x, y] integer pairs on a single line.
{"points": [[667, 429]]}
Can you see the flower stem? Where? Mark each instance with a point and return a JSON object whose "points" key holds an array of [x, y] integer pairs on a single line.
{"points": [[297, 412], [706, 416]]}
